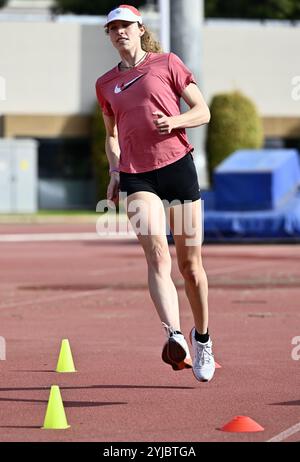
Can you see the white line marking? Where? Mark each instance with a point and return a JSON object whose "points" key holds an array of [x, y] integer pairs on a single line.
{"points": [[232, 269], [94, 236], [286, 434], [54, 298], [69, 295], [94, 292], [43, 237]]}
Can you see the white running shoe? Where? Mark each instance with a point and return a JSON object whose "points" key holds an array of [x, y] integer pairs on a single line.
{"points": [[176, 351], [203, 363]]}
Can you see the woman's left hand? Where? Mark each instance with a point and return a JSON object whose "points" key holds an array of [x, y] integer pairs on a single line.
{"points": [[163, 123]]}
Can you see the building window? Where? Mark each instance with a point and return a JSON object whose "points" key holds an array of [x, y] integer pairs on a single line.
{"points": [[65, 158]]}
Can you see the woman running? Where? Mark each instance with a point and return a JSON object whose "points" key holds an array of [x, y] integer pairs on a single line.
{"points": [[151, 162]]}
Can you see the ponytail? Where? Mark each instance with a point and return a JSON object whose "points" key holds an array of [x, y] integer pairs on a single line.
{"points": [[149, 43]]}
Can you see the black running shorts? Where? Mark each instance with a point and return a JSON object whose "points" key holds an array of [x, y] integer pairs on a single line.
{"points": [[176, 181]]}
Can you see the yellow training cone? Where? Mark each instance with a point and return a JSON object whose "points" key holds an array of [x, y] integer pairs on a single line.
{"points": [[65, 361], [55, 417]]}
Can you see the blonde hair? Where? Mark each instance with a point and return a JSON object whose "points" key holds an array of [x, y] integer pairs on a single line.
{"points": [[149, 42]]}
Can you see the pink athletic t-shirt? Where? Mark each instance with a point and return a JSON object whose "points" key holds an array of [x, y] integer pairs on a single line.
{"points": [[154, 85]]}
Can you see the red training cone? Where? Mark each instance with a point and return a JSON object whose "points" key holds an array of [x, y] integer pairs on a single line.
{"points": [[242, 423]]}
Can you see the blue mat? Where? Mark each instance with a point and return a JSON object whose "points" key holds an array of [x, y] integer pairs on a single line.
{"points": [[256, 179], [284, 222]]}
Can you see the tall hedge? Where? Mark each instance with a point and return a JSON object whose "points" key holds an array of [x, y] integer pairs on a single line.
{"points": [[254, 9], [100, 161], [234, 124], [90, 7]]}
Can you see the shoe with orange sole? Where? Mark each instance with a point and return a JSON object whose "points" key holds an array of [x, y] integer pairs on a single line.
{"points": [[176, 352]]}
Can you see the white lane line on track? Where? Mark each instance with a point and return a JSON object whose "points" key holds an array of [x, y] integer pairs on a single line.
{"points": [[69, 295], [233, 269], [53, 299], [44, 237], [112, 270], [285, 434]]}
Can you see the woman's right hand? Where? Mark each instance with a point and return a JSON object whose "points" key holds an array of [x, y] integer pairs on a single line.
{"points": [[113, 188]]}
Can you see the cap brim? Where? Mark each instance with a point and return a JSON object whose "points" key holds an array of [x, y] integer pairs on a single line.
{"points": [[123, 20]]}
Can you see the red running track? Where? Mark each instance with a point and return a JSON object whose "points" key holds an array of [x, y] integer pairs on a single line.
{"points": [[95, 294]]}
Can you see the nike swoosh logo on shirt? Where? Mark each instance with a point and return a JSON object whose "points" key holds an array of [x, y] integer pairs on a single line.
{"points": [[124, 86]]}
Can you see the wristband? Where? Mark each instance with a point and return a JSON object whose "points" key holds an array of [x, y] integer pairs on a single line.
{"points": [[111, 170]]}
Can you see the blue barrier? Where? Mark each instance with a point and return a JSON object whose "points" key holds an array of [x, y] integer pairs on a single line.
{"points": [[283, 222], [256, 179]]}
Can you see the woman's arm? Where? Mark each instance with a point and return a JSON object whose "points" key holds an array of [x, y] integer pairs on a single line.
{"points": [[112, 150], [112, 147], [197, 115]]}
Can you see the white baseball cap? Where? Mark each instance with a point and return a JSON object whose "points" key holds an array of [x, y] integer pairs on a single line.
{"points": [[124, 13]]}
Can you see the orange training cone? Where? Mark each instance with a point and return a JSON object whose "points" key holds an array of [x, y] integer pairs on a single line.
{"points": [[218, 366], [241, 423]]}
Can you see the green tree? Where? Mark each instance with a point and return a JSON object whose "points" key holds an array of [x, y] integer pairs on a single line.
{"points": [[275, 9], [253, 9], [296, 11], [99, 158], [211, 8], [90, 7], [2, 3]]}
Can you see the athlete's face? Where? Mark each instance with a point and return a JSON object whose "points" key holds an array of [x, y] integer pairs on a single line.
{"points": [[124, 34]]}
